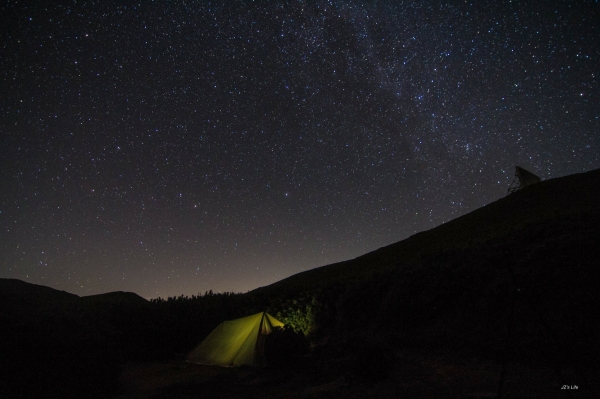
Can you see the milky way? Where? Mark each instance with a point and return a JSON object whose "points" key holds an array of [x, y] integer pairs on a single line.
{"points": [[174, 147]]}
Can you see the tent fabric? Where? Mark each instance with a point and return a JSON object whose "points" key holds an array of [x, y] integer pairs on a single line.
{"points": [[236, 342]]}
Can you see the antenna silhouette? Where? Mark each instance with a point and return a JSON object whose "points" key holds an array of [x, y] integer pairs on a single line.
{"points": [[523, 178]]}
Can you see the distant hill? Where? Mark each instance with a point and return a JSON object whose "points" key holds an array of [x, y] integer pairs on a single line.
{"points": [[25, 300], [16, 292], [26, 303], [115, 298], [13, 288], [57, 344]]}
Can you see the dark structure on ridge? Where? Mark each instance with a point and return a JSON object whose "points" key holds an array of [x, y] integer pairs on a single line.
{"points": [[523, 178]]}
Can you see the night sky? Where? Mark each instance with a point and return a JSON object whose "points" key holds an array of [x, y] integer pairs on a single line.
{"points": [[173, 147]]}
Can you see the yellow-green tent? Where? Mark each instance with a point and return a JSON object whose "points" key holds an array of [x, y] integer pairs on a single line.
{"points": [[236, 342]]}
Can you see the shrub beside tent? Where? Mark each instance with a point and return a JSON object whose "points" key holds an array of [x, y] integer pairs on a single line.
{"points": [[236, 342]]}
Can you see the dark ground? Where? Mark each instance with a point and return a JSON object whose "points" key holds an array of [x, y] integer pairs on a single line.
{"points": [[414, 375]]}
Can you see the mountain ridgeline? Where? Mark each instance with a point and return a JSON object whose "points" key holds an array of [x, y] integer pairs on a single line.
{"points": [[566, 201], [515, 279]]}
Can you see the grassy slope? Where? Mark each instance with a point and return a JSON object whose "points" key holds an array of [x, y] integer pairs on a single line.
{"points": [[571, 196], [516, 277]]}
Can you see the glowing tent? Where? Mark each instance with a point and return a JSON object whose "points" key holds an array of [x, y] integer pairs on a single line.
{"points": [[236, 342]]}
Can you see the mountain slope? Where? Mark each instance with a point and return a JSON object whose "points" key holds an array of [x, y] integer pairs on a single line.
{"points": [[574, 196], [515, 278]]}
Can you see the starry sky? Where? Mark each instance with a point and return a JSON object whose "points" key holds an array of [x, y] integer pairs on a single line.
{"points": [[172, 147]]}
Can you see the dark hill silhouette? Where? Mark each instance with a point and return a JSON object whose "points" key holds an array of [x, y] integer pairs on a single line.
{"points": [[16, 294], [528, 210], [516, 278], [115, 298], [11, 286], [57, 344]]}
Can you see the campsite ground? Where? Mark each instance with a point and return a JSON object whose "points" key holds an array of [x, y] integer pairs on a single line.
{"points": [[414, 375]]}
